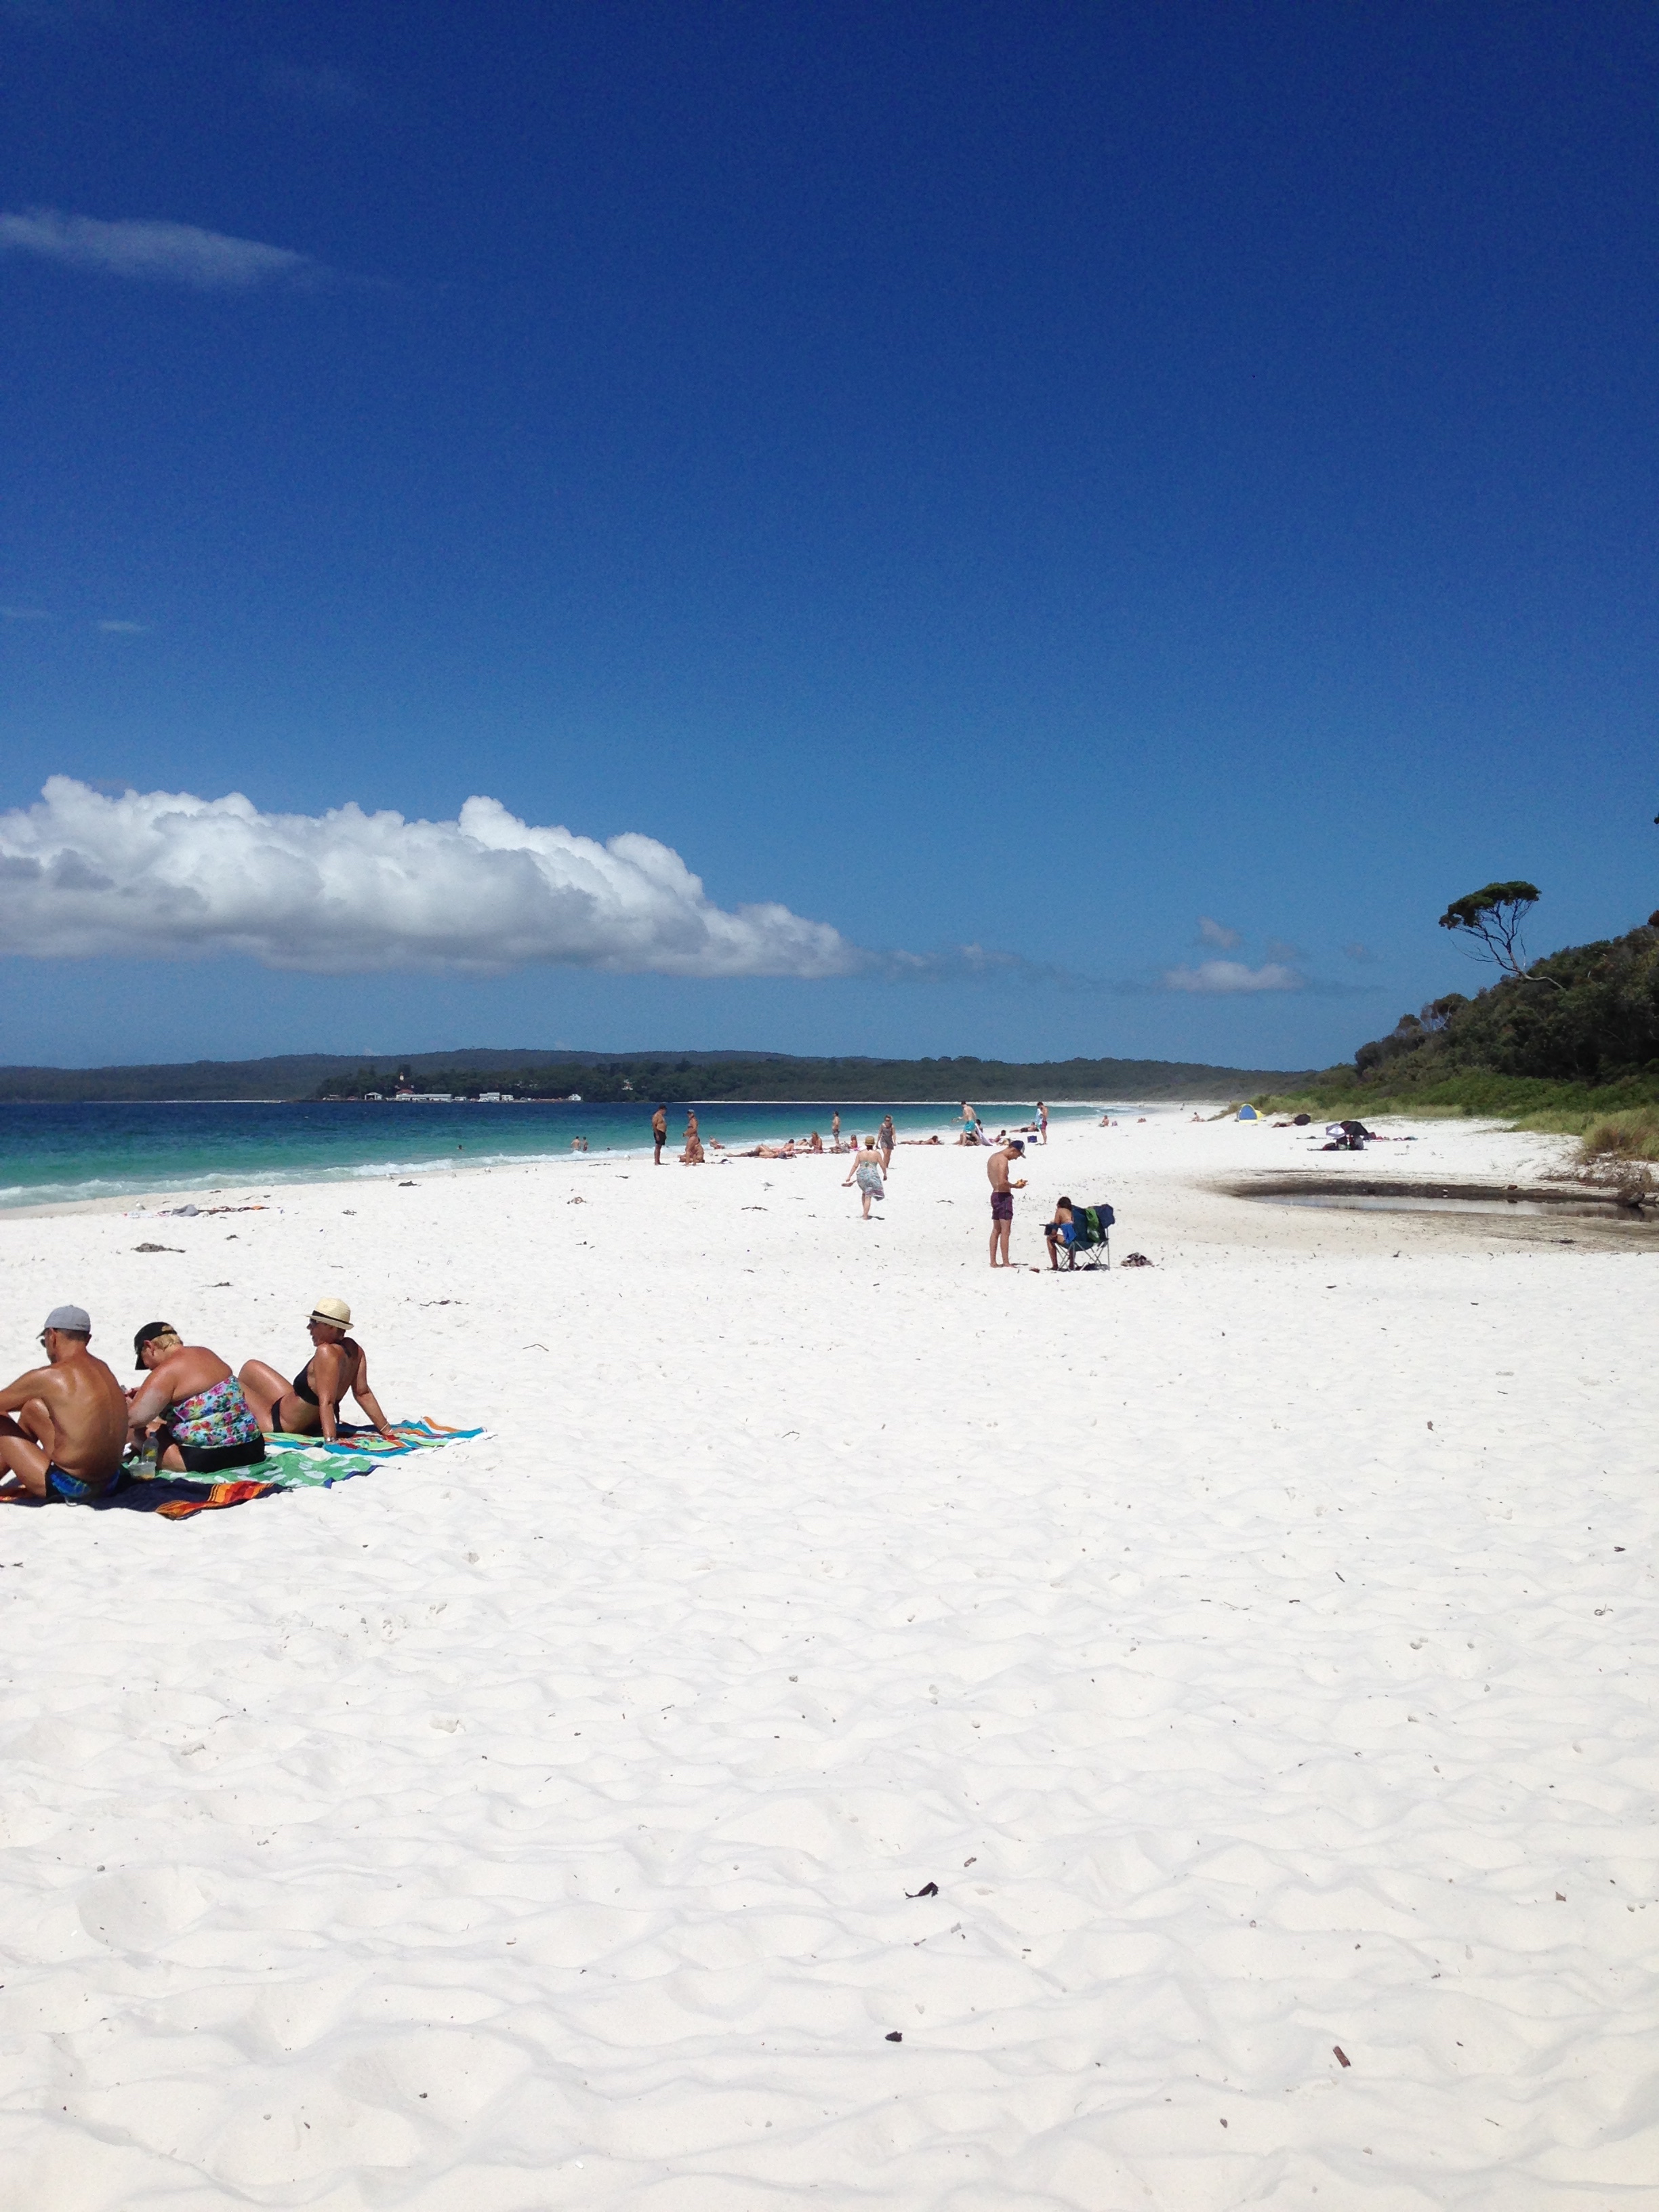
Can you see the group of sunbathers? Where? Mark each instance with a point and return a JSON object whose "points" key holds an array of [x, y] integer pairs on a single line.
{"points": [[66, 1428], [974, 1131]]}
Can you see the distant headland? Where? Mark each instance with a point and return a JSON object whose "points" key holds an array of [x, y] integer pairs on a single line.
{"points": [[670, 1076]]}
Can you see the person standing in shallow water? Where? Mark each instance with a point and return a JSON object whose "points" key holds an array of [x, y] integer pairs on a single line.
{"points": [[659, 1134], [835, 1130], [1002, 1198]]}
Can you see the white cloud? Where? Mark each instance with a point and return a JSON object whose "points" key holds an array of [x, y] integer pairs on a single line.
{"points": [[1221, 978], [125, 628], [166, 253], [1358, 952], [24, 614], [1217, 933], [162, 874]]}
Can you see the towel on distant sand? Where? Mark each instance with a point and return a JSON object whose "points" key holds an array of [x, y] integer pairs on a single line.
{"points": [[291, 1463]]}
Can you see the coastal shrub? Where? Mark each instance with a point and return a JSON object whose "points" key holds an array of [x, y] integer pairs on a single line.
{"points": [[1633, 1135], [1568, 1043], [1520, 1101]]}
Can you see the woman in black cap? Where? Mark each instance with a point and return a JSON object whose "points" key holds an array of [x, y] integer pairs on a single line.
{"points": [[204, 1421]]}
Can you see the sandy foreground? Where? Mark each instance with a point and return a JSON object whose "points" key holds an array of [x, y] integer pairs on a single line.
{"points": [[1256, 1649]]}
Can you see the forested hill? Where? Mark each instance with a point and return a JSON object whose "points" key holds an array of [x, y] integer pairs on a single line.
{"points": [[668, 1075], [674, 1077], [286, 1076], [1586, 1015]]}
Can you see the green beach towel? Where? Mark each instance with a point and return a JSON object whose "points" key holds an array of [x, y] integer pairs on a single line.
{"points": [[290, 1463]]}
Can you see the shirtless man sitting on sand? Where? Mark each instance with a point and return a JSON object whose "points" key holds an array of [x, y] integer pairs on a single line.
{"points": [[73, 1427], [337, 1367]]}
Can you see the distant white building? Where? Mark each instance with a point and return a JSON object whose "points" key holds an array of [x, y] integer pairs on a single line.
{"points": [[575, 1098], [489, 1098]]}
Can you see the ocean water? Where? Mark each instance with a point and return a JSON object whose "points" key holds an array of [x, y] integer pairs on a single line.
{"points": [[53, 1155]]}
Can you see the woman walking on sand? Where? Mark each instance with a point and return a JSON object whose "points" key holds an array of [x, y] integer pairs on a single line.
{"points": [[866, 1172], [885, 1139]]}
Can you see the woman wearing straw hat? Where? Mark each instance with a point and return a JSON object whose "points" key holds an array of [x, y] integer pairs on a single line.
{"points": [[337, 1367]]}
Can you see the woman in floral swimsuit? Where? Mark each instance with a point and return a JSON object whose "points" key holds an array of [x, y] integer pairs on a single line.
{"points": [[204, 1421]]}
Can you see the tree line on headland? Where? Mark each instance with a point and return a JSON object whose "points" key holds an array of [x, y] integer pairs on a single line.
{"points": [[671, 1077], [677, 1079]]}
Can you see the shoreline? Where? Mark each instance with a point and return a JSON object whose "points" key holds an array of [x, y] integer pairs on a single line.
{"points": [[154, 1203], [357, 1172]]}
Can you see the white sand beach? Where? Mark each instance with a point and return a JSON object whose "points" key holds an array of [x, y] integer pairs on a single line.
{"points": [[1256, 1650]]}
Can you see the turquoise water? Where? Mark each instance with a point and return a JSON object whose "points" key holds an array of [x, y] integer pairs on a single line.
{"points": [[53, 1155]]}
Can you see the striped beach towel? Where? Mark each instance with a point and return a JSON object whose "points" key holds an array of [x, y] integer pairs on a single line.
{"points": [[291, 1463]]}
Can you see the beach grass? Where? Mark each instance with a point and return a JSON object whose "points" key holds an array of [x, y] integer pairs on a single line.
{"points": [[1612, 1120]]}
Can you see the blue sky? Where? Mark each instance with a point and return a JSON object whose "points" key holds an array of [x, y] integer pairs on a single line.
{"points": [[1160, 496]]}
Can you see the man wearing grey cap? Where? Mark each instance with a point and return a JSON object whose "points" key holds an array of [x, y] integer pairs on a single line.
{"points": [[72, 1429]]}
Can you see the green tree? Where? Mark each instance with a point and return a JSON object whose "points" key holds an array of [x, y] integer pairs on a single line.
{"points": [[1492, 917]]}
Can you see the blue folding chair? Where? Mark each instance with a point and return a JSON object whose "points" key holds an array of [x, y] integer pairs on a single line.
{"points": [[1090, 1244]]}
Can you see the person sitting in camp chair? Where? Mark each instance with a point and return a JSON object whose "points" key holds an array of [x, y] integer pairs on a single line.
{"points": [[1062, 1229], [1082, 1233]]}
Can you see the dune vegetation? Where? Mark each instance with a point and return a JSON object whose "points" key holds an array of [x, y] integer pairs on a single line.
{"points": [[1569, 1043]]}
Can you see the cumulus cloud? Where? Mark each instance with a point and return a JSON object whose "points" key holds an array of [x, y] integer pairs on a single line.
{"points": [[162, 252], [1222, 978], [162, 874], [1217, 933]]}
